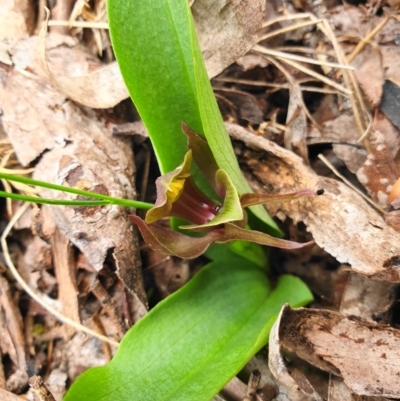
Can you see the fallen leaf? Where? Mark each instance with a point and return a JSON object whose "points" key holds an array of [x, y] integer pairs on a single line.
{"points": [[370, 74], [226, 30], [343, 134], [379, 172]]}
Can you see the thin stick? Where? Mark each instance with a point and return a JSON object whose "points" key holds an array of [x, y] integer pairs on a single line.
{"points": [[289, 56], [79, 24], [264, 52], [346, 181], [31, 293], [287, 29], [366, 40], [277, 86], [285, 18]]}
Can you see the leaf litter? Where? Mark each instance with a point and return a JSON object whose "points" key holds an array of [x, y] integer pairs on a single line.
{"points": [[289, 99]]}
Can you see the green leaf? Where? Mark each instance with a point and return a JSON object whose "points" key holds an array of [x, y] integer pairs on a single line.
{"points": [[216, 134], [157, 50], [191, 344], [151, 41], [251, 251]]}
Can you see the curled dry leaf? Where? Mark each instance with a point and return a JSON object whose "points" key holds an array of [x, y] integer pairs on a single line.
{"points": [[341, 221], [226, 31], [289, 388], [362, 353]]}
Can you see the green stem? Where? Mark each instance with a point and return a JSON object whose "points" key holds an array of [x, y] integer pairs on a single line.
{"points": [[105, 198], [57, 202]]}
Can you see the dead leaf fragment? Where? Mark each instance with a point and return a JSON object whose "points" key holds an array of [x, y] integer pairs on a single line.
{"points": [[16, 18], [226, 30], [102, 88], [379, 172]]}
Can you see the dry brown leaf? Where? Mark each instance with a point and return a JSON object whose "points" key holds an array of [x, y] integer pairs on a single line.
{"points": [[65, 270], [353, 22], [390, 61], [7, 396], [102, 88], [363, 353], [342, 132], [243, 103], [226, 30], [341, 221], [370, 74], [338, 391], [296, 123], [379, 172]]}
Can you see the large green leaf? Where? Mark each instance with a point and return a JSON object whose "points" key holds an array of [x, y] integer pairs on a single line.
{"points": [[158, 53], [152, 44], [193, 342]]}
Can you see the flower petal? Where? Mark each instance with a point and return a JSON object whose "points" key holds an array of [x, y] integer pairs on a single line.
{"points": [[233, 232], [257, 199], [231, 210], [169, 187], [169, 242], [202, 156]]}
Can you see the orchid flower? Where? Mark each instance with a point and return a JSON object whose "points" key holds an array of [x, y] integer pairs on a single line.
{"points": [[225, 221]]}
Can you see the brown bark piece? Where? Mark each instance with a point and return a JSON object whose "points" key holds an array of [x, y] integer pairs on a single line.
{"points": [[341, 222], [364, 354], [65, 270], [367, 298]]}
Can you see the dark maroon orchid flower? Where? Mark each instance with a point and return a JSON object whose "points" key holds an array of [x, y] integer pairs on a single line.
{"points": [[178, 196]]}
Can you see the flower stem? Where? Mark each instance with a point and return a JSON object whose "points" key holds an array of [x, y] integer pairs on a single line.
{"points": [[102, 199]]}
